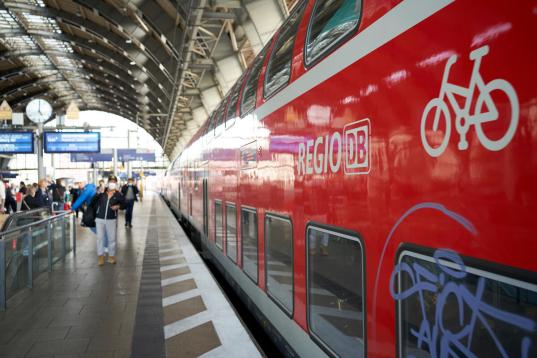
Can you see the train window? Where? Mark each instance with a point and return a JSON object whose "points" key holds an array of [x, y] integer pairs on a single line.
{"points": [[279, 65], [335, 278], [279, 260], [232, 107], [250, 87], [218, 229], [249, 242], [211, 123], [444, 301], [331, 22], [218, 117], [231, 232]]}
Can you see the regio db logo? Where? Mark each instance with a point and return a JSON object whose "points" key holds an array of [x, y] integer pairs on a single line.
{"points": [[349, 148]]}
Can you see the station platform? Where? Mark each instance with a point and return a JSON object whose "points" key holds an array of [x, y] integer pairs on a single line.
{"points": [[159, 300]]}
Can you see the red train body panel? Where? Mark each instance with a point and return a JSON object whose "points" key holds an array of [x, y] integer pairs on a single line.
{"points": [[418, 130]]}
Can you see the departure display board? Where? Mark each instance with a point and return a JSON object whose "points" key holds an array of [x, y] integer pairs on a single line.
{"points": [[72, 142], [16, 142]]}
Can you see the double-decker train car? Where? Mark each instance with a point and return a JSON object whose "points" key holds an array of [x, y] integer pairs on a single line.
{"points": [[368, 186]]}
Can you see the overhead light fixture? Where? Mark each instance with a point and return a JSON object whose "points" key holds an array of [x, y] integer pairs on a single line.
{"points": [[129, 41], [133, 63]]}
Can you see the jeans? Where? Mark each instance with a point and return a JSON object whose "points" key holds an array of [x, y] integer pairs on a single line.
{"points": [[129, 207], [106, 228]]}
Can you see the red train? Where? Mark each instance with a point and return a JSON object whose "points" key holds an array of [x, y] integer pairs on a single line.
{"points": [[369, 185]]}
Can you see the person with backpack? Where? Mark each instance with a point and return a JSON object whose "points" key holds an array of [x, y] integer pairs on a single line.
{"points": [[130, 193], [106, 206], [58, 195]]}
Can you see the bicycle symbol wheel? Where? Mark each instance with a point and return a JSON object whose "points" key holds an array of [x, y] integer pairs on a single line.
{"points": [[444, 115], [508, 90]]}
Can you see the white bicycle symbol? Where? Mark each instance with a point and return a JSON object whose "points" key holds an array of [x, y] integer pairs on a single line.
{"points": [[464, 119]]}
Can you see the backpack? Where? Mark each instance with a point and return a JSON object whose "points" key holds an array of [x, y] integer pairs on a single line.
{"points": [[88, 217]]}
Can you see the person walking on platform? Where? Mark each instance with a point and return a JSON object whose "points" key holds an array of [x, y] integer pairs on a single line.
{"points": [[58, 195], [41, 194], [11, 203], [130, 193], [106, 207], [30, 200], [22, 188], [2, 196], [75, 193]]}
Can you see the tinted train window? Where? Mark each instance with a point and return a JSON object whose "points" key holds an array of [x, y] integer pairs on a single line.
{"points": [[472, 312], [249, 91], [218, 231], [210, 126], [231, 232], [335, 291], [279, 66], [331, 22], [218, 118], [232, 107], [249, 242], [279, 260]]}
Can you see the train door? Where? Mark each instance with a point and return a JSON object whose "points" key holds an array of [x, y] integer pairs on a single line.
{"points": [[205, 208]]}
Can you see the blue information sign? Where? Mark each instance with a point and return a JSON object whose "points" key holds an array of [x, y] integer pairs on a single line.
{"points": [[72, 142], [129, 155], [105, 156], [16, 142], [145, 155], [126, 155]]}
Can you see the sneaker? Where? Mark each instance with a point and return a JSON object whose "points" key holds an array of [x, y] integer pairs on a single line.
{"points": [[126, 224], [130, 226], [324, 251], [101, 260], [112, 260]]}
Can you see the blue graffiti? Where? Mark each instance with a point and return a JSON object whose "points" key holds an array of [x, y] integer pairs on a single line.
{"points": [[433, 334]]}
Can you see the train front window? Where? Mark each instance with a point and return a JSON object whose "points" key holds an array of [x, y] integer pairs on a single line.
{"points": [[250, 88], [279, 66], [335, 291], [249, 242], [331, 22], [231, 232], [448, 307], [218, 229], [279, 261]]}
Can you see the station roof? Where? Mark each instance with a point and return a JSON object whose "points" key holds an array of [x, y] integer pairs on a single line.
{"points": [[164, 64]]}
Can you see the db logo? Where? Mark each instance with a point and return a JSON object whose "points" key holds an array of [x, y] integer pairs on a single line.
{"points": [[349, 148], [357, 147]]}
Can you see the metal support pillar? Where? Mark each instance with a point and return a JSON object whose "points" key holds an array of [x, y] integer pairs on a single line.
{"points": [[95, 172], [115, 161], [129, 169], [39, 139]]}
